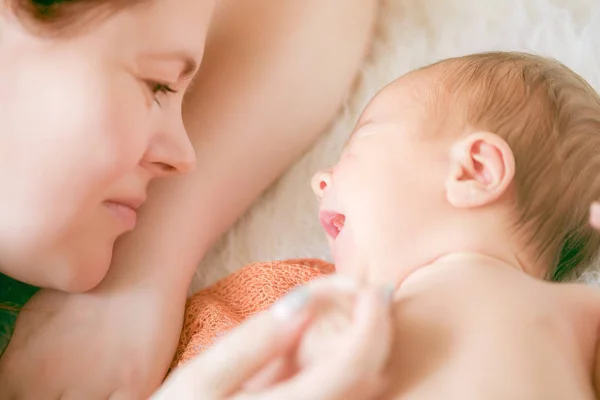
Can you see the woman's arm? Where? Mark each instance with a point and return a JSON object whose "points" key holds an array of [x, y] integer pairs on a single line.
{"points": [[273, 76]]}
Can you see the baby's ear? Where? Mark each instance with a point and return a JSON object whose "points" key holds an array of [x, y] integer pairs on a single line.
{"points": [[482, 168]]}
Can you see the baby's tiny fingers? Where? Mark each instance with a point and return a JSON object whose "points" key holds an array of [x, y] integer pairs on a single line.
{"points": [[371, 340], [257, 342], [357, 367]]}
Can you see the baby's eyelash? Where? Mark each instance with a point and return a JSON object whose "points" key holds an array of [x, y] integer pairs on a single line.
{"points": [[157, 88]]}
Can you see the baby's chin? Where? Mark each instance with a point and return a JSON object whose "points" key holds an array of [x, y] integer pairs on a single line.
{"points": [[345, 253], [349, 266], [371, 270], [349, 259], [330, 242]]}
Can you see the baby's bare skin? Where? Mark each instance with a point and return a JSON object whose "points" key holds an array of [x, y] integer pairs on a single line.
{"points": [[486, 331], [476, 328]]}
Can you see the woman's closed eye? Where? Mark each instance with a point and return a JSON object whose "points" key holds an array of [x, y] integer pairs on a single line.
{"points": [[159, 89]]}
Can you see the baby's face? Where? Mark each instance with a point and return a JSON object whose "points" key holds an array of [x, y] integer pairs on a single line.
{"points": [[377, 201]]}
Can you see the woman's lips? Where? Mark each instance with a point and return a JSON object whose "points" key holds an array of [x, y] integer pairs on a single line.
{"points": [[332, 222], [125, 214]]}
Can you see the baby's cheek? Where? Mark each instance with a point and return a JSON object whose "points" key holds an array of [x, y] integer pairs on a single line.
{"points": [[326, 333]]}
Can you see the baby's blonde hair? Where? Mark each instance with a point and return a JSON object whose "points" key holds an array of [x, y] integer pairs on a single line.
{"points": [[550, 117]]}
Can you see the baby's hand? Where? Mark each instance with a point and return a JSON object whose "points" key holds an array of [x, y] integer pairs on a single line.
{"points": [[334, 331], [333, 319]]}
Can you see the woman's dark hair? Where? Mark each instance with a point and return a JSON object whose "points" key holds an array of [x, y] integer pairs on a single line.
{"points": [[57, 17]]}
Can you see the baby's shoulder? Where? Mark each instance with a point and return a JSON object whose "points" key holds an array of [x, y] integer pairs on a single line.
{"points": [[578, 298]]}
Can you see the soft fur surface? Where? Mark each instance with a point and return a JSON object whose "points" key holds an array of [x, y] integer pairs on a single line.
{"points": [[410, 34]]}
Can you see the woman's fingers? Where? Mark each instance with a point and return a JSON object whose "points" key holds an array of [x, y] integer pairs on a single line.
{"points": [[255, 354], [357, 370], [240, 355], [280, 369], [284, 367], [236, 357], [595, 215], [359, 367]]}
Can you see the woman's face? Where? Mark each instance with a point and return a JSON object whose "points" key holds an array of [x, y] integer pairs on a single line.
{"points": [[86, 122]]}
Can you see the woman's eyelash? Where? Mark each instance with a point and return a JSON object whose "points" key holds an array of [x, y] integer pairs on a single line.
{"points": [[157, 88]]}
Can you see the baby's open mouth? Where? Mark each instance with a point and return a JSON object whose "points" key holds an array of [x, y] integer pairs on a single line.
{"points": [[332, 222]]}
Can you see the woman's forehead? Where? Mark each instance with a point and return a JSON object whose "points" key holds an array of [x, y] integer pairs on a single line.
{"points": [[178, 27]]}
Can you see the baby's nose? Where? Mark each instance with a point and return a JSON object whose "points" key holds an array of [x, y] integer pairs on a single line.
{"points": [[320, 182]]}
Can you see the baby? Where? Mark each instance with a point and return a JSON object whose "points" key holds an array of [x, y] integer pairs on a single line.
{"points": [[465, 183]]}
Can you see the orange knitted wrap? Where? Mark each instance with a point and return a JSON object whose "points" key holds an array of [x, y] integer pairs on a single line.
{"points": [[222, 306]]}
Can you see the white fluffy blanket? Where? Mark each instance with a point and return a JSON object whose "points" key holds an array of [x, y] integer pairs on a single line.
{"points": [[410, 33]]}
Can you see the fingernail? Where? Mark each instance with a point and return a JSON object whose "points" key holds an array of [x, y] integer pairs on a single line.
{"points": [[388, 293], [292, 303]]}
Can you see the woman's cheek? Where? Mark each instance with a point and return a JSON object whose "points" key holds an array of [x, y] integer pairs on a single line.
{"points": [[123, 140]]}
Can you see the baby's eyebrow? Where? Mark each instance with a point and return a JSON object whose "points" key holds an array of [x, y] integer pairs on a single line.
{"points": [[360, 125]]}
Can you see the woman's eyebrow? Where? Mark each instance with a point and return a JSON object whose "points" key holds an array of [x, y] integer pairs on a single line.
{"points": [[189, 63]]}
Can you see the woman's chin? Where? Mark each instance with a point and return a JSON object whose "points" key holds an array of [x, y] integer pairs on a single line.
{"points": [[78, 276]]}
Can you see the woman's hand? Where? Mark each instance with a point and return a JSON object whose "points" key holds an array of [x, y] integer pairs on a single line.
{"points": [[257, 359], [118, 335]]}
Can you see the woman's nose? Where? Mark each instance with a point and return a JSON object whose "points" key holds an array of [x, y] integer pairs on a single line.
{"points": [[320, 182], [170, 152]]}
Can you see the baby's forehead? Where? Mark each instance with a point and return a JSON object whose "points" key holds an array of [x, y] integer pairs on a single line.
{"points": [[410, 96]]}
